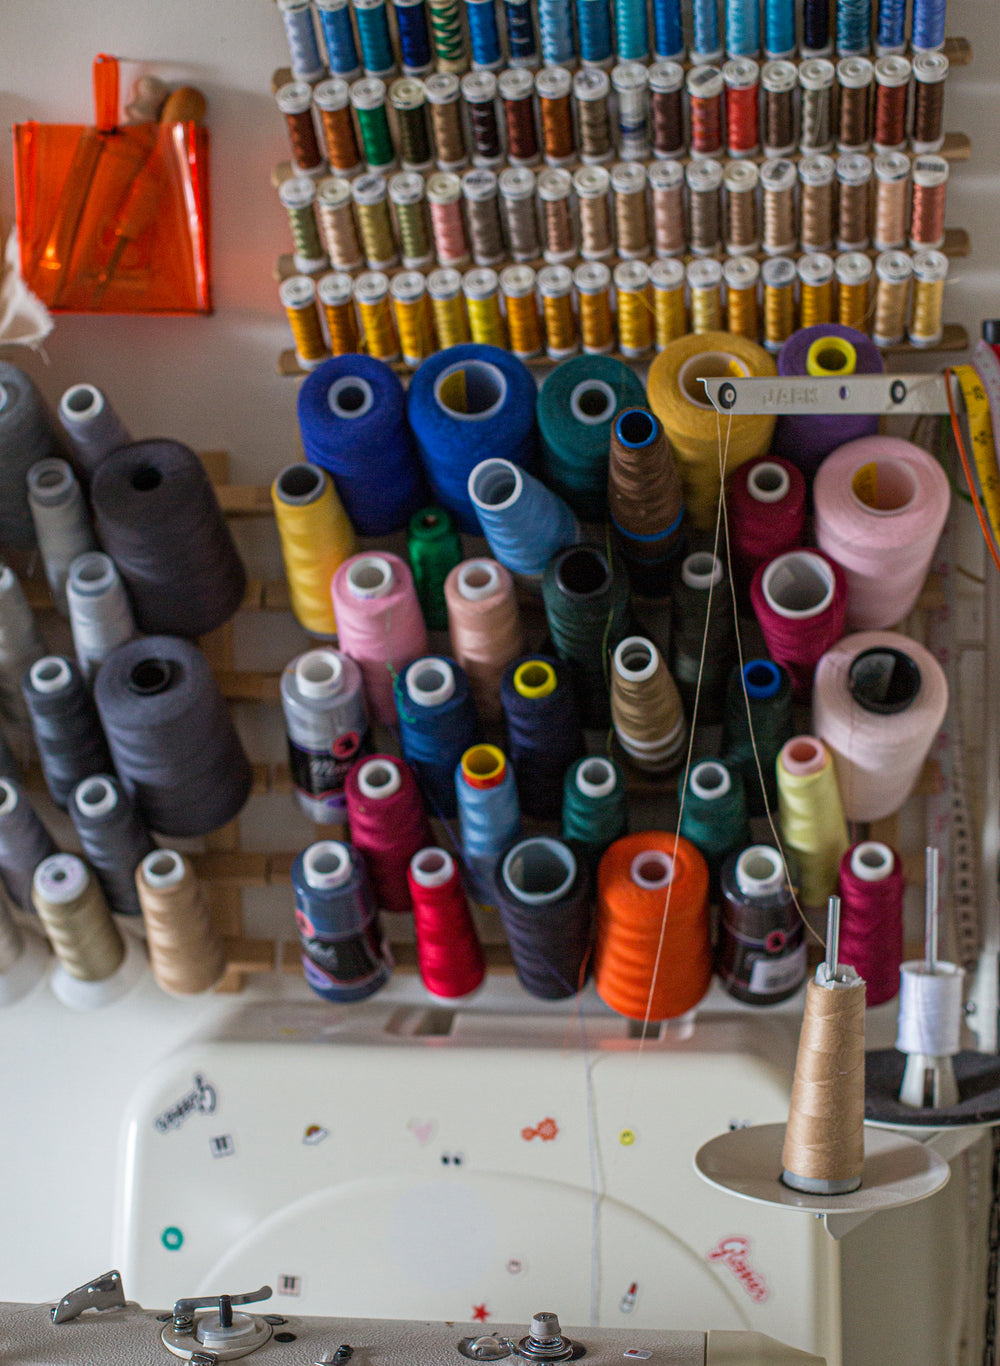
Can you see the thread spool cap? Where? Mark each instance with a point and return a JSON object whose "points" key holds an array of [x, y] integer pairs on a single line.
{"points": [[319, 674], [668, 275], [815, 269], [884, 681], [930, 171], [327, 865], [479, 185], [80, 403], [854, 168], [704, 176], [894, 267], [535, 678], [335, 289], [590, 83], [892, 71], [479, 87], [368, 94], [295, 97], [515, 84], [777, 175], [665, 77], [798, 585], [370, 189], [872, 861], [740, 177], [50, 675], [298, 291], [709, 780], [370, 576], [665, 176], [760, 871], [930, 67], [163, 868], [371, 287], [480, 283], [816, 74], [432, 867], [854, 268], [430, 682], [891, 167], [593, 182], [96, 797], [408, 286], [831, 356], [50, 482], [704, 82], [539, 870], [702, 570], [593, 277], [636, 659], [854, 73], [553, 83], [761, 679], [334, 192], [628, 78], [768, 482], [817, 169], [741, 73], [406, 188], [332, 94], [377, 779], [444, 187], [930, 267], [778, 272], [652, 870], [628, 177], [595, 778], [741, 272], [406, 93], [631, 277], [779, 76], [442, 88], [517, 182], [297, 192], [61, 878], [705, 273], [484, 766], [803, 755], [445, 283]]}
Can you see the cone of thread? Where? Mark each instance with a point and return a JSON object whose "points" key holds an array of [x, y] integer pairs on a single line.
{"points": [[645, 499], [316, 538], [485, 626], [646, 708], [186, 953]]}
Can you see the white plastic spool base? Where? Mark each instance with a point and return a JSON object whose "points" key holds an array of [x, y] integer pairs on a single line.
{"points": [[897, 1171]]}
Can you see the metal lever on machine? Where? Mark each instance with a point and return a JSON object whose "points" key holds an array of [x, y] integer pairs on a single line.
{"points": [[827, 396], [222, 1336], [184, 1310], [104, 1292]]}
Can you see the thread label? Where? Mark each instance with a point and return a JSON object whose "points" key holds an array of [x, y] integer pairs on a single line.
{"points": [[778, 974], [321, 773]]}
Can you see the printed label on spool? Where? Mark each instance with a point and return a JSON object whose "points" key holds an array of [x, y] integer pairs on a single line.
{"points": [[865, 484], [320, 774], [778, 974]]}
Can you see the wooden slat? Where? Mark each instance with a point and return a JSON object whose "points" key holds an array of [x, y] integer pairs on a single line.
{"points": [[244, 500], [249, 686]]}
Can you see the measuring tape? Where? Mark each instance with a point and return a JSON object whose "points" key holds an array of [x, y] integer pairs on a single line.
{"points": [[980, 419]]}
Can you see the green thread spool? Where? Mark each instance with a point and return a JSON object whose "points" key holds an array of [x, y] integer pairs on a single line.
{"points": [[298, 195], [595, 806], [586, 599], [577, 405], [434, 548], [769, 700], [368, 99], [449, 42], [715, 813], [702, 580]]}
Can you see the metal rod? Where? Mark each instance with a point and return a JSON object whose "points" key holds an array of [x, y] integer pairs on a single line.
{"points": [[832, 937], [931, 910]]}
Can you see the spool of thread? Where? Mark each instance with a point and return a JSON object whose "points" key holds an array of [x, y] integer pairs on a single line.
{"points": [[652, 958], [878, 703], [692, 424], [148, 499], [186, 952], [586, 600], [714, 818], [326, 727], [524, 522], [62, 524], [813, 827], [27, 435], [702, 637], [543, 731], [172, 738], [72, 909], [800, 601], [758, 722], [645, 500], [489, 814], [761, 956], [881, 505], [348, 408], [99, 611], [577, 406], [380, 624], [646, 708], [929, 1030], [449, 954], [93, 427], [65, 724], [388, 825], [871, 917], [766, 509], [316, 538], [485, 627], [113, 837], [24, 842], [344, 957], [595, 807], [437, 724], [469, 404], [543, 895], [434, 548], [826, 350], [20, 644]]}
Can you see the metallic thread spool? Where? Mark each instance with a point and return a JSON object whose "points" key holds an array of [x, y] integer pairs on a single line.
{"points": [[778, 275], [740, 181], [669, 312], [777, 180], [742, 277], [451, 321], [591, 89], [856, 78], [336, 296], [854, 273], [368, 98], [628, 185], [635, 311], [892, 83], [666, 181], [444, 196], [705, 88], [334, 209], [593, 188], [816, 180], [778, 82], [479, 90], [517, 91], [443, 92], [815, 289], [552, 86], [409, 105], [930, 270], [481, 288], [630, 83], [409, 203], [517, 198], [704, 181], [378, 330], [930, 189], [517, 284], [555, 187], [298, 298], [893, 272], [555, 286], [854, 180], [371, 206], [666, 108], [930, 70], [411, 310], [704, 279], [482, 203], [816, 78], [333, 100], [295, 100], [892, 179], [298, 197], [742, 78], [593, 287]]}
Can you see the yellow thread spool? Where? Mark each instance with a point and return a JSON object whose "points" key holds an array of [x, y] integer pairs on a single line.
{"points": [[812, 816], [298, 298], [669, 311], [742, 275], [930, 270], [704, 278], [635, 311], [481, 288], [316, 537], [413, 318], [371, 206], [831, 356], [336, 294], [518, 286], [815, 289], [371, 294], [534, 678], [593, 286], [893, 272], [779, 301], [854, 273], [451, 322], [555, 285]]}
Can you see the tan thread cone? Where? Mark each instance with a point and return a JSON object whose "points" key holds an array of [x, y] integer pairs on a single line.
{"points": [[83, 936], [644, 488], [186, 953], [486, 633], [824, 1139], [647, 713]]}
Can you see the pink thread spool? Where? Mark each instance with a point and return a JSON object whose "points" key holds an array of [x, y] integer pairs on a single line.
{"points": [[800, 601], [379, 624], [878, 702], [449, 953], [880, 506], [766, 506], [871, 917], [388, 825]]}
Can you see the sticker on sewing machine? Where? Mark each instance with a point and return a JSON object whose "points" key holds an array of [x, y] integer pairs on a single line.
{"points": [[734, 1254], [452, 1159], [627, 1302], [315, 1133], [479, 1313], [514, 1266], [637, 1353], [172, 1239], [546, 1130], [200, 1100], [222, 1145], [289, 1285], [627, 1137], [422, 1130]]}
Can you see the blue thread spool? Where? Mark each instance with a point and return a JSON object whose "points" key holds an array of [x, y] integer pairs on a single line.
{"points": [[484, 36], [705, 46], [595, 807], [437, 724], [668, 30], [414, 36], [555, 24], [352, 416], [890, 36], [372, 18], [307, 64], [524, 522], [543, 731], [338, 35], [343, 955], [928, 25], [488, 812], [468, 404], [577, 406], [779, 29], [715, 812], [816, 41], [854, 21], [742, 28], [593, 25], [520, 33], [631, 30], [543, 895]]}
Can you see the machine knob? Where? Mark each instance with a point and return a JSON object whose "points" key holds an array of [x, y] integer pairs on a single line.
{"points": [[545, 1341]]}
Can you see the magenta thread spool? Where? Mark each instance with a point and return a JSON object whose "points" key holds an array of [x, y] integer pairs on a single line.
{"points": [[871, 917], [800, 601]]}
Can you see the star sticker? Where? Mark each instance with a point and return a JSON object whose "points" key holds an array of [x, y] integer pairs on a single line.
{"points": [[480, 1313]]}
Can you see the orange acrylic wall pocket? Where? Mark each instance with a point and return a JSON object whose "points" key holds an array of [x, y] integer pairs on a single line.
{"points": [[114, 218]]}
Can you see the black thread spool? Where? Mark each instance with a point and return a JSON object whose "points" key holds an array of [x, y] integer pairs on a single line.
{"points": [[174, 743], [760, 956], [67, 729], [158, 518], [700, 581], [343, 956], [24, 842], [543, 731], [113, 837], [586, 601], [543, 895], [27, 435]]}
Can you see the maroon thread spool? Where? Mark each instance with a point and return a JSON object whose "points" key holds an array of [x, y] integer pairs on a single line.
{"points": [[295, 102], [766, 506], [388, 825], [871, 917], [800, 601], [666, 107], [517, 91]]}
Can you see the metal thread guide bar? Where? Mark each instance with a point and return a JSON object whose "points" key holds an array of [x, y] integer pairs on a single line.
{"points": [[827, 396]]}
